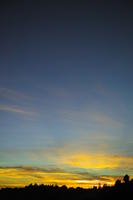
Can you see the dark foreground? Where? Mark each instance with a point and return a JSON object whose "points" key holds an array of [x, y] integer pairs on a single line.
{"points": [[121, 190]]}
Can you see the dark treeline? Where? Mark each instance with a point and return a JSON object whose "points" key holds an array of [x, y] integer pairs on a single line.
{"points": [[121, 190]]}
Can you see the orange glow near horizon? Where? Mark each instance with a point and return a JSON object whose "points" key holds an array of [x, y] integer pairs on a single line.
{"points": [[18, 178], [74, 171]]}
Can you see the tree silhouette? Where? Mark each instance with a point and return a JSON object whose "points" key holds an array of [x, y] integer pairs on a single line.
{"points": [[118, 183], [126, 179]]}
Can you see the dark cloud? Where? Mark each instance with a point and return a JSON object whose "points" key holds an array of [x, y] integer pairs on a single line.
{"points": [[35, 169]]}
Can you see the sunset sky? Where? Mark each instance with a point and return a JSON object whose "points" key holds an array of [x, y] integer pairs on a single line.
{"points": [[66, 92]]}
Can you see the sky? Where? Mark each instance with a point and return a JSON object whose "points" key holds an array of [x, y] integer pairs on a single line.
{"points": [[66, 85]]}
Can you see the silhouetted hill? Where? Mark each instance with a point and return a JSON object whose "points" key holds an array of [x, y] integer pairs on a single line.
{"points": [[121, 190]]}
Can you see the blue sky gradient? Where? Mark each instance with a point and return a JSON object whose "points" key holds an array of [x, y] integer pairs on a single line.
{"points": [[66, 86]]}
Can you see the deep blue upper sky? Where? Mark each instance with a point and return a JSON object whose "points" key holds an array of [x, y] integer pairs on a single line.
{"points": [[65, 78]]}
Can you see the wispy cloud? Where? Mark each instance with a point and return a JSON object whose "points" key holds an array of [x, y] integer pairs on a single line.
{"points": [[15, 102], [98, 161], [15, 109], [90, 117], [104, 119], [12, 95]]}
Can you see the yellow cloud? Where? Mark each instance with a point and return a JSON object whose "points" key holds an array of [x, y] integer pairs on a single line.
{"points": [[74, 171], [97, 161], [21, 176]]}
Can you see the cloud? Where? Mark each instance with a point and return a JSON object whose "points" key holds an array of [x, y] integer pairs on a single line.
{"points": [[98, 162], [13, 99], [15, 109], [72, 169], [101, 162], [90, 117], [24, 175], [34, 169], [104, 119], [12, 94]]}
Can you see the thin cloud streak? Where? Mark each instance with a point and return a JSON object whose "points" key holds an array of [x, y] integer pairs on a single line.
{"points": [[12, 95], [15, 109], [92, 117]]}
